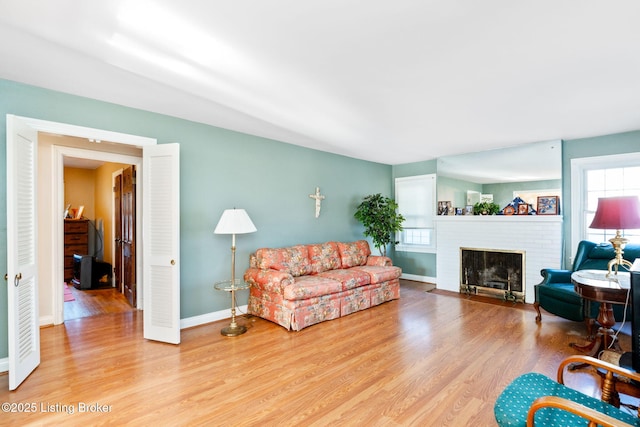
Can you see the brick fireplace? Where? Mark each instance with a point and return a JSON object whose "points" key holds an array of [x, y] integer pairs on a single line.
{"points": [[493, 272], [538, 237]]}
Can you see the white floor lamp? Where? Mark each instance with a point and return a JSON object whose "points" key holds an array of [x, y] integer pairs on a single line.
{"points": [[233, 221]]}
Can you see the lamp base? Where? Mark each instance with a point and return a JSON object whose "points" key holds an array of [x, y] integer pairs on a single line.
{"points": [[618, 242], [233, 330]]}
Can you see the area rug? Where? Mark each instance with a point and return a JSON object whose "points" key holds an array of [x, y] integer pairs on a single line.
{"points": [[68, 296]]}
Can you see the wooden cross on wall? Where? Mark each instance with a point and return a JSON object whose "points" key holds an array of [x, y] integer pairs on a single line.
{"points": [[319, 198]]}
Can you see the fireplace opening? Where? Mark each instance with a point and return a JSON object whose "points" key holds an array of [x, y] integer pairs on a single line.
{"points": [[493, 272]]}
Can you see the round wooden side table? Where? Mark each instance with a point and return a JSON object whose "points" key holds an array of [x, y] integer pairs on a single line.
{"points": [[594, 285]]}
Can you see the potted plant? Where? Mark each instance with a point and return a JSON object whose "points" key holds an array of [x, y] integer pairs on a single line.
{"points": [[486, 208], [381, 220]]}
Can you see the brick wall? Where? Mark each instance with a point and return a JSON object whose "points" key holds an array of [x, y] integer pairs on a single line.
{"points": [[539, 236]]}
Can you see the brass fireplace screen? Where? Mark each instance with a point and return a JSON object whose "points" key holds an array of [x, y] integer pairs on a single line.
{"points": [[493, 272]]}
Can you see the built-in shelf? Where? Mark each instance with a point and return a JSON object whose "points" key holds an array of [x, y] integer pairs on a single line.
{"points": [[499, 218]]}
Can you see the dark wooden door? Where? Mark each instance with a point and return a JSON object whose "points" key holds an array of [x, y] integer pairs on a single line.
{"points": [[117, 203], [129, 234]]}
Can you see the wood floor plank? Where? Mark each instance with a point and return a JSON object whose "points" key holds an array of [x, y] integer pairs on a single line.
{"points": [[430, 358], [92, 302]]}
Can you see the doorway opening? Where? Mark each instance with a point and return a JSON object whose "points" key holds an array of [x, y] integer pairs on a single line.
{"points": [[83, 180], [99, 244], [35, 198]]}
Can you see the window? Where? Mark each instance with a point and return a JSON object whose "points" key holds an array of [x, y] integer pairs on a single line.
{"points": [[415, 196], [595, 177]]}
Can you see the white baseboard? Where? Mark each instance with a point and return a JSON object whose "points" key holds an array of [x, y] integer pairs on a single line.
{"points": [[202, 319], [4, 364], [417, 278], [46, 321]]}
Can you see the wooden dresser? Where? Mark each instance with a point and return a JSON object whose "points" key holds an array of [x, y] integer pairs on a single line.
{"points": [[76, 241]]}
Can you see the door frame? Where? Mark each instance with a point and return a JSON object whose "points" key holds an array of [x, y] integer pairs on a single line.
{"points": [[168, 330], [56, 269], [114, 175], [57, 237]]}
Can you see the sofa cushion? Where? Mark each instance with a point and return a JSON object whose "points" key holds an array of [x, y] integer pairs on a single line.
{"points": [[561, 292], [324, 257], [350, 278], [304, 287], [380, 274], [354, 253], [294, 260]]}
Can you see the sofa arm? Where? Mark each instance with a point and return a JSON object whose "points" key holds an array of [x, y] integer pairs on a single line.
{"points": [[380, 261], [553, 275], [268, 280]]}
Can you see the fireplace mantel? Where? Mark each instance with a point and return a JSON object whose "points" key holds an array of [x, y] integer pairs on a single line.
{"points": [[539, 236]]}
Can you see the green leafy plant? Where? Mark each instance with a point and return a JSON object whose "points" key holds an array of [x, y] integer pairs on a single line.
{"points": [[381, 220], [486, 208]]}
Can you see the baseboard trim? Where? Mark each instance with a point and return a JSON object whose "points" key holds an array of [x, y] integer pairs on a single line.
{"points": [[4, 364], [46, 321], [214, 316], [418, 278]]}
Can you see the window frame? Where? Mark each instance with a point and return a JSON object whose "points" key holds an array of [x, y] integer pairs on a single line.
{"points": [[579, 168], [429, 182]]}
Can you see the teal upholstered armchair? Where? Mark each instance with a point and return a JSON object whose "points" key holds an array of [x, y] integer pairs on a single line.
{"points": [[556, 293], [534, 399]]}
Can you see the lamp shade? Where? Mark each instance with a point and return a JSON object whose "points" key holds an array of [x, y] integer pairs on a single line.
{"points": [[617, 213], [234, 221]]}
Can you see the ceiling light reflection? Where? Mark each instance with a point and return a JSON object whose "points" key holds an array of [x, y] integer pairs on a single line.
{"points": [[139, 51], [167, 30]]}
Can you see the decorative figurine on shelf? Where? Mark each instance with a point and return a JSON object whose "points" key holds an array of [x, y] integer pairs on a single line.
{"points": [[518, 207]]}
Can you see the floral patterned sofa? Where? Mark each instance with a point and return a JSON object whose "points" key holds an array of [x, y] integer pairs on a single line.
{"points": [[302, 285]]}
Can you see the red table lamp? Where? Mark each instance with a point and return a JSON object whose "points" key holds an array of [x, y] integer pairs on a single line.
{"points": [[617, 213]]}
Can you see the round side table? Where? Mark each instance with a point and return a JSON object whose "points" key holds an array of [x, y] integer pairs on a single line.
{"points": [[233, 330], [594, 285]]}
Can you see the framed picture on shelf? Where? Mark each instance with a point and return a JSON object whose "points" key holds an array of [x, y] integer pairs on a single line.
{"points": [[523, 209], [548, 205], [444, 207]]}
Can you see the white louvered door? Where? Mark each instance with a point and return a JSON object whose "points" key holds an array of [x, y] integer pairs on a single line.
{"points": [[161, 234], [22, 279]]}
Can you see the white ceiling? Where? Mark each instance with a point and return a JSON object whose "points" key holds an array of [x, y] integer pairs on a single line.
{"points": [[388, 81]]}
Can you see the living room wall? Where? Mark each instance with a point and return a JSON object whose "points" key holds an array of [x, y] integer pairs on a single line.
{"points": [[424, 264], [220, 169], [620, 143]]}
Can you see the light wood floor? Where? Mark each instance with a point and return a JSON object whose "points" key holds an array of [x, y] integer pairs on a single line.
{"points": [[92, 302], [428, 359]]}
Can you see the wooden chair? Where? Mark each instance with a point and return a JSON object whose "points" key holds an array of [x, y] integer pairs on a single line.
{"points": [[536, 400]]}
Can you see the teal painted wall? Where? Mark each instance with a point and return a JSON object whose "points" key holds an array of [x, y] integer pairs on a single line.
{"points": [[620, 143], [455, 190], [420, 264], [503, 192], [220, 169]]}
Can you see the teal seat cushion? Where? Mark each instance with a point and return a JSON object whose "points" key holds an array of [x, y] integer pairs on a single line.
{"points": [[514, 402], [560, 299]]}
